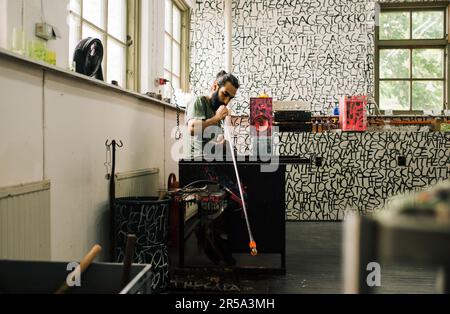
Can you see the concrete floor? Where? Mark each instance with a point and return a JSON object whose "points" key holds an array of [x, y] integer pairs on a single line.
{"points": [[314, 263]]}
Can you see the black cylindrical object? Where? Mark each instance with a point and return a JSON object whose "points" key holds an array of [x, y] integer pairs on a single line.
{"points": [[147, 218]]}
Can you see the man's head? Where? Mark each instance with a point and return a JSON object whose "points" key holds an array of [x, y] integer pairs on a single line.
{"points": [[218, 76], [224, 90]]}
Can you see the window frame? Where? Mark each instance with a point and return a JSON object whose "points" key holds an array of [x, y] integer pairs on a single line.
{"points": [[184, 44], [131, 44], [412, 44]]}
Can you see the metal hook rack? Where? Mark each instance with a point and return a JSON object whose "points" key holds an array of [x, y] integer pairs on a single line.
{"points": [[114, 143], [112, 188], [107, 163]]}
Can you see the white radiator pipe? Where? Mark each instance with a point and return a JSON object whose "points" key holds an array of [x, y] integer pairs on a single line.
{"points": [[227, 127]]}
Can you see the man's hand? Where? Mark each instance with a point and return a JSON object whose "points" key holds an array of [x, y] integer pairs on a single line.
{"points": [[220, 139], [221, 143], [221, 113]]}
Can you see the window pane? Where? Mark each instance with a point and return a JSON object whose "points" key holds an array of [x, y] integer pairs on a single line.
{"points": [[168, 16], [394, 95], [168, 87], [74, 35], [176, 81], [176, 59], [88, 31], [428, 25], [116, 63], [428, 63], [428, 95], [117, 19], [94, 12], [394, 63], [168, 53], [75, 6], [176, 23], [394, 25], [167, 75]]}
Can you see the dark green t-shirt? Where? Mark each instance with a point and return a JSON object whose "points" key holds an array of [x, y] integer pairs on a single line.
{"points": [[199, 109]]}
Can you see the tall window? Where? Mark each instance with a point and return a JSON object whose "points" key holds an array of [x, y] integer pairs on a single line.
{"points": [[107, 21], [412, 59], [175, 45]]}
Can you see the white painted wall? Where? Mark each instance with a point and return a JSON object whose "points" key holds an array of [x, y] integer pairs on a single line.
{"points": [[21, 152], [172, 148], [69, 148], [152, 44], [55, 128], [3, 23], [79, 119], [55, 13]]}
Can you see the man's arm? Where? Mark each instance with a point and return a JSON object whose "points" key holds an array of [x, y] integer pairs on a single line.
{"points": [[194, 124]]}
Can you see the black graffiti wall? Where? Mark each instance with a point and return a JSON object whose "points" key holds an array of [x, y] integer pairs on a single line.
{"points": [[148, 220], [308, 50], [241, 135], [207, 44], [359, 170], [312, 50], [315, 50]]}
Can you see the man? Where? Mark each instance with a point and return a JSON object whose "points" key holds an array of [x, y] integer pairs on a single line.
{"points": [[204, 117]]}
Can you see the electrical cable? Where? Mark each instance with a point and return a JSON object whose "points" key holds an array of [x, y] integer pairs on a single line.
{"points": [[178, 133], [233, 195], [23, 15], [42, 11]]}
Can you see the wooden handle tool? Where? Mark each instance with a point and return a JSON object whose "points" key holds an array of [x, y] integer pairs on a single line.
{"points": [[84, 264]]}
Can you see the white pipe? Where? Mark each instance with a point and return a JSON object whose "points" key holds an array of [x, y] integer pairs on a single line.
{"points": [[227, 127], [228, 35], [22, 15]]}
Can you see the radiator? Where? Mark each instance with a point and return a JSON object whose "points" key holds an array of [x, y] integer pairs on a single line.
{"points": [[25, 221], [137, 183], [143, 183]]}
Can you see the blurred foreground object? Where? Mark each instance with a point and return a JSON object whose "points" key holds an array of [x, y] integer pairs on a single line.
{"points": [[413, 228]]}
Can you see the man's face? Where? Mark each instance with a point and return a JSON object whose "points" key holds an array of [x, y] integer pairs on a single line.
{"points": [[223, 95]]}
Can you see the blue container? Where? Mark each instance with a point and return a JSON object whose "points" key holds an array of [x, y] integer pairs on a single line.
{"points": [[336, 111]]}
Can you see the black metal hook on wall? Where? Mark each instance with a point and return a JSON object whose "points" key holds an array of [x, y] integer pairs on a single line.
{"points": [[111, 157], [112, 194], [114, 143]]}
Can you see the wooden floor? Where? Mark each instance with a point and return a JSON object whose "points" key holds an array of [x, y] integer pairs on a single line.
{"points": [[314, 265]]}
